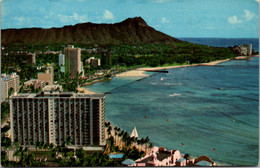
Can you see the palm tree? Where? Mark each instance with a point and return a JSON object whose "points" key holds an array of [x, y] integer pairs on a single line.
{"points": [[10, 92], [109, 131], [146, 141], [151, 145], [37, 145], [142, 141], [115, 137], [16, 144], [139, 143], [18, 152]]}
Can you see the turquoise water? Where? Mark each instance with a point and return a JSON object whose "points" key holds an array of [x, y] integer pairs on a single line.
{"points": [[202, 107], [116, 156]]}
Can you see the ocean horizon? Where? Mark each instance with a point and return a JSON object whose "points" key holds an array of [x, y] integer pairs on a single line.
{"points": [[223, 42], [192, 109]]}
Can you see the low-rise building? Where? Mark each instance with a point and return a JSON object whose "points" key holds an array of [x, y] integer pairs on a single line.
{"points": [[35, 83], [160, 157], [93, 62], [31, 59], [48, 76]]}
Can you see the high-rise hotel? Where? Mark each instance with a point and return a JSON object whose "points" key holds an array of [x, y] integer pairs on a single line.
{"points": [[73, 63], [52, 116]]}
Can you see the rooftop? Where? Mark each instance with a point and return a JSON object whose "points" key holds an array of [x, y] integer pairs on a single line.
{"points": [[181, 159], [163, 155], [128, 162], [58, 95], [4, 76], [203, 163]]}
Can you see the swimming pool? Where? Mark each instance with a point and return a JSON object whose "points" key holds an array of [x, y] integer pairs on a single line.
{"points": [[116, 156]]}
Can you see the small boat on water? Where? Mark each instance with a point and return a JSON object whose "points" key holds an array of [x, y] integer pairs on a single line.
{"points": [[174, 94]]}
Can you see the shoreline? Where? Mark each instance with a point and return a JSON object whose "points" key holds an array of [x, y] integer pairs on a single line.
{"points": [[85, 91], [141, 72], [135, 72], [213, 63]]}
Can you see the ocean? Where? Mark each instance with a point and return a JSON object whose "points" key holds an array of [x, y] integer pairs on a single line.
{"points": [[224, 42], [192, 109]]}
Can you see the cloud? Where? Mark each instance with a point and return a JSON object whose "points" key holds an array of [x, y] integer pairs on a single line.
{"points": [[108, 15], [257, 1], [248, 15], [21, 20], [164, 20], [234, 20], [71, 18]]}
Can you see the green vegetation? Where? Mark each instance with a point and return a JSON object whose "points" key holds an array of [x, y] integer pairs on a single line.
{"points": [[42, 59], [133, 55], [4, 111], [48, 155], [160, 54]]}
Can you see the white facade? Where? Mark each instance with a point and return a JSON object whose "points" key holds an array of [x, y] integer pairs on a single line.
{"points": [[10, 81], [61, 59], [3, 93], [53, 116]]}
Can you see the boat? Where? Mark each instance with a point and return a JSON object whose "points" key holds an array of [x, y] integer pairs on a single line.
{"points": [[174, 94]]}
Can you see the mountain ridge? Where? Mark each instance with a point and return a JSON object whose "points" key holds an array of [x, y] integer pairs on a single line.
{"points": [[129, 31]]}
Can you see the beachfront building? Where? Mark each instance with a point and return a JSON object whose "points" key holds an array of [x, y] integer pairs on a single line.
{"points": [[48, 76], [35, 83], [73, 63], [244, 50], [8, 82], [160, 157], [53, 116]]}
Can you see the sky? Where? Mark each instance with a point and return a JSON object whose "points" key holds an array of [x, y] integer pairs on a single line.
{"points": [[178, 18]]}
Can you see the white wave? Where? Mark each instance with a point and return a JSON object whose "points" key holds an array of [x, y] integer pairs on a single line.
{"points": [[179, 83], [174, 94], [153, 83], [169, 84]]}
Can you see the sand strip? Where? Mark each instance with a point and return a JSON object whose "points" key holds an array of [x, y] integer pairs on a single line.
{"points": [[181, 66], [132, 73], [85, 90]]}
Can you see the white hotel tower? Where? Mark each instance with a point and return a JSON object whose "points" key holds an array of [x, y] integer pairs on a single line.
{"points": [[52, 116]]}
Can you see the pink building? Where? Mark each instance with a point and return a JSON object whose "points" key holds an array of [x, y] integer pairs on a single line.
{"points": [[161, 157]]}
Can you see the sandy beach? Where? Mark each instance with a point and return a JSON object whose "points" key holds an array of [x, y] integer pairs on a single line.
{"points": [[181, 66], [137, 72], [85, 90]]}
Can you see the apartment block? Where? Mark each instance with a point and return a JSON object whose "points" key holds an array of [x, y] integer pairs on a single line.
{"points": [[52, 116], [8, 82]]}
